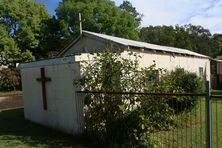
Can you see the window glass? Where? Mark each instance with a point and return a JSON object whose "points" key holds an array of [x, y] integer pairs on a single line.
{"points": [[201, 72]]}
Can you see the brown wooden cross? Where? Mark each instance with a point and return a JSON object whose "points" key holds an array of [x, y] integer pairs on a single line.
{"points": [[43, 80]]}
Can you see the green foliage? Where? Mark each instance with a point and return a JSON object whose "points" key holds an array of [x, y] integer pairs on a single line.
{"points": [[10, 79], [115, 117], [127, 6], [191, 37], [98, 16], [122, 119], [128, 120], [21, 23], [53, 40], [183, 81], [187, 81]]}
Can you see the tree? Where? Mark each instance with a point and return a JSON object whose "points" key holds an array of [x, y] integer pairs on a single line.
{"points": [[191, 37], [21, 30], [217, 42], [53, 40], [161, 35], [200, 39], [182, 39], [98, 16], [127, 6]]}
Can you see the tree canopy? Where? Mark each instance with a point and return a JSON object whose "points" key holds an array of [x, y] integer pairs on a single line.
{"points": [[191, 37], [28, 32], [101, 16], [127, 6], [21, 24]]}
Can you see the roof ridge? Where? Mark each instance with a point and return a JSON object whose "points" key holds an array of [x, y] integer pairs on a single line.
{"points": [[141, 44]]}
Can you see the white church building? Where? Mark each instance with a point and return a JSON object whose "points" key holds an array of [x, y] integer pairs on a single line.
{"points": [[164, 57], [49, 94]]}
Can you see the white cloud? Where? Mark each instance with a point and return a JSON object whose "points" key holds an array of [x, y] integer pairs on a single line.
{"points": [[212, 23], [206, 13], [211, 19]]}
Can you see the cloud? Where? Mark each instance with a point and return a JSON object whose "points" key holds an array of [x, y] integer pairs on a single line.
{"points": [[213, 23], [212, 18], [206, 13]]}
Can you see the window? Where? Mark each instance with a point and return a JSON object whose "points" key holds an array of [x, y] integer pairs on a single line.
{"points": [[201, 72]]}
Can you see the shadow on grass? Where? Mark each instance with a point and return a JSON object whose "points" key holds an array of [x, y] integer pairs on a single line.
{"points": [[15, 131]]}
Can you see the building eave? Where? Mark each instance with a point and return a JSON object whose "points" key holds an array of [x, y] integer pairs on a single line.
{"points": [[66, 48]]}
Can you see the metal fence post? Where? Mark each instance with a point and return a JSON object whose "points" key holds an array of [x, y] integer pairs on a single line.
{"points": [[208, 117]]}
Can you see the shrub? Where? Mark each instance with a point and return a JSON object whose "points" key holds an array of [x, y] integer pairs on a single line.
{"points": [[114, 119], [184, 81], [117, 120], [121, 120], [9, 79]]}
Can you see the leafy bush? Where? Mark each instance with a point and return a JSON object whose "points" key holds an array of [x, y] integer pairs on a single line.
{"points": [[186, 80], [127, 120], [115, 119], [183, 81], [10, 79]]}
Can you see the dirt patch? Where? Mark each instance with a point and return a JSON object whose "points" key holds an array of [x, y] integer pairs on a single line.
{"points": [[11, 93], [13, 101]]}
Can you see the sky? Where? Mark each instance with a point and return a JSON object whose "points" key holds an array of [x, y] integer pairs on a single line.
{"points": [[207, 13]]}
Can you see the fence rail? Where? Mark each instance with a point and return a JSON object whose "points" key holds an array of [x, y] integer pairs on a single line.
{"points": [[140, 93], [216, 96]]}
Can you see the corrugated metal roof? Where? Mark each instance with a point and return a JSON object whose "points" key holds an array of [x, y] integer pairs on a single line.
{"points": [[144, 45]]}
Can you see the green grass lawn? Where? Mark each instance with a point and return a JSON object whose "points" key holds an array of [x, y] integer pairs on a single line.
{"points": [[17, 132]]}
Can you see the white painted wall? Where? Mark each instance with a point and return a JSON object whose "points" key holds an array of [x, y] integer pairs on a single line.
{"points": [[89, 43], [219, 67], [170, 62], [166, 61], [65, 108]]}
